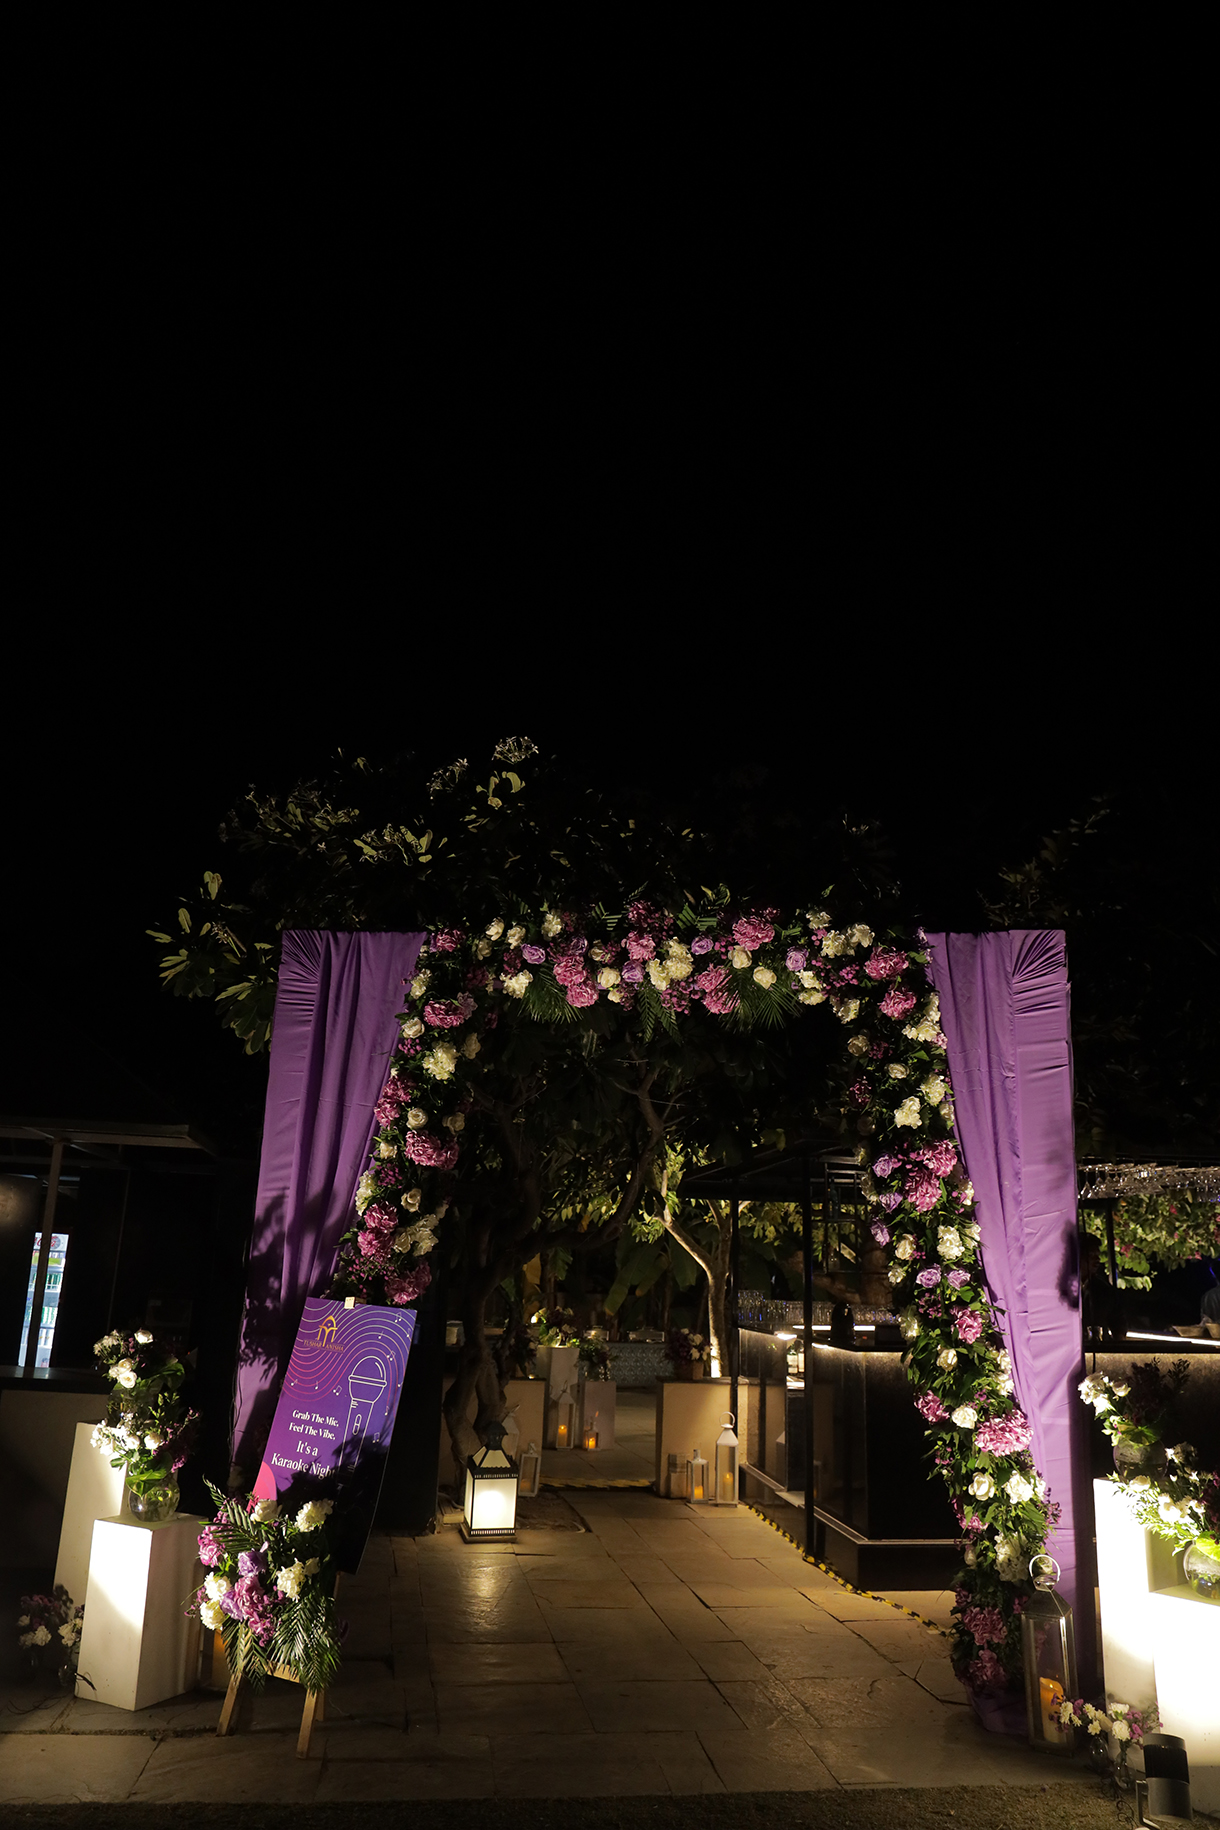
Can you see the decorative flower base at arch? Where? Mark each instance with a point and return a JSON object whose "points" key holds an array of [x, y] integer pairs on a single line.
{"points": [[650, 969]]}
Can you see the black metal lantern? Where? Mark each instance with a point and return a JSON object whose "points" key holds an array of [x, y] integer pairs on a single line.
{"points": [[1163, 1794], [491, 1491]]}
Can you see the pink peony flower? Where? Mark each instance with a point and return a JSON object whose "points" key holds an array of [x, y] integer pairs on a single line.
{"points": [[751, 931], [930, 1408], [448, 1013], [393, 1097], [379, 1219], [445, 940], [641, 946], [969, 1324], [885, 963], [429, 1152], [405, 1289], [940, 1158], [570, 969], [897, 1003], [922, 1189], [1008, 1435]]}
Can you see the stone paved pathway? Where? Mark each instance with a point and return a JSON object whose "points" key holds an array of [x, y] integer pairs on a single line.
{"points": [[662, 1649]]}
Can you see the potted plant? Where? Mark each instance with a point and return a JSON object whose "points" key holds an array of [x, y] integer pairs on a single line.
{"points": [[688, 1352], [148, 1427]]}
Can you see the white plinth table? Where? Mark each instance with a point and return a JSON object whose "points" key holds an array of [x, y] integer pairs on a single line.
{"points": [[137, 1646], [95, 1491]]}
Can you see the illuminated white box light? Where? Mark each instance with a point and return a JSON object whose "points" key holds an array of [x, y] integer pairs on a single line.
{"points": [[136, 1646], [1186, 1645]]}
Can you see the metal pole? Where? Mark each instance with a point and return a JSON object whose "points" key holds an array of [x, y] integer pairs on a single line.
{"points": [[118, 1249], [1110, 1243], [807, 1256], [733, 1327], [44, 1259]]}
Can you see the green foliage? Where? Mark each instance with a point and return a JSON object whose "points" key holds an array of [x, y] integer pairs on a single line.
{"points": [[1156, 1233]]}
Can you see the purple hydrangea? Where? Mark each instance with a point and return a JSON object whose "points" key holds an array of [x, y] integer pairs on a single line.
{"points": [[1008, 1435]]}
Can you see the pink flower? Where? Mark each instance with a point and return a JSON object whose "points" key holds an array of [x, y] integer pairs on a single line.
{"points": [[445, 940], [922, 1189], [986, 1672], [886, 1165], [929, 1278], [702, 943], [447, 1013], [375, 1246], [406, 1289], [582, 992], [885, 963], [930, 1408], [641, 946], [958, 1278], [715, 984], [534, 956], [1008, 1435], [941, 1157], [986, 1625], [569, 969], [797, 959], [880, 1232], [428, 1152], [379, 1219], [211, 1550], [752, 932], [889, 1199], [897, 1003], [969, 1325], [393, 1096]]}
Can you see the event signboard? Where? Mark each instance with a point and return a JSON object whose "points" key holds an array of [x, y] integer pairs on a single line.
{"points": [[335, 1416]]}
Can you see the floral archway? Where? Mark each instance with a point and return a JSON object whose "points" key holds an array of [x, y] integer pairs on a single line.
{"points": [[652, 968]]}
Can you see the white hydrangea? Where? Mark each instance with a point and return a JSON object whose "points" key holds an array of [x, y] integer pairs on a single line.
{"points": [[216, 1586], [419, 984], [679, 962], [313, 1513], [658, 972], [212, 1615], [818, 918], [519, 984], [948, 1243], [908, 1324], [811, 997], [265, 1512], [514, 937], [551, 926], [1019, 1488], [896, 1273], [834, 943], [934, 1089], [289, 1581], [908, 1113], [441, 1061], [366, 1191]]}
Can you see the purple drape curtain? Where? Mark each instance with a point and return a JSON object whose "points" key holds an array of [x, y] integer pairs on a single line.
{"points": [[334, 1034], [1005, 1011]]}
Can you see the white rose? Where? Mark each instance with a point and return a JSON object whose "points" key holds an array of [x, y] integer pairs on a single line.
{"points": [[153, 1443], [609, 975], [471, 1047], [947, 1358], [904, 1247], [216, 1586], [614, 995], [125, 1375], [740, 957], [908, 1113], [143, 1337], [1139, 1483], [417, 1118], [411, 1199], [483, 949], [412, 1028], [982, 1486], [948, 1243], [764, 976], [455, 1122], [965, 1417], [933, 1089], [419, 984], [494, 929], [848, 1011], [896, 1071], [896, 1274], [515, 936], [858, 1046], [1018, 1488], [968, 1557], [551, 926], [519, 984], [265, 1512], [1119, 1390]]}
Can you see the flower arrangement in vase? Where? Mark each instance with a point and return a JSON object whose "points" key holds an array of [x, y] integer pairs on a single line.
{"points": [[688, 1351], [148, 1427], [271, 1590], [49, 1629], [1168, 1494]]}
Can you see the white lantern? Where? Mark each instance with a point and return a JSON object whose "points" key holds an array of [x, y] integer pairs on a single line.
{"points": [[726, 1463], [491, 1491], [565, 1419], [697, 1483], [677, 1486], [531, 1473]]}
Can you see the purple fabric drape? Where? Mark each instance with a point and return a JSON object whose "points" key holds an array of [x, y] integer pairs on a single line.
{"points": [[333, 1037], [1005, 1004]]}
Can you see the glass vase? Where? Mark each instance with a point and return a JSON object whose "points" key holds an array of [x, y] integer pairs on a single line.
{"points": [[154, 1504], [1201, 1567], [1138, 1457]]}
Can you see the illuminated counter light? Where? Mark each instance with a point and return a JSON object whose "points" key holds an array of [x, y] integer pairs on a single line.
{"points": [[136, 1645], [1160, 1641]]}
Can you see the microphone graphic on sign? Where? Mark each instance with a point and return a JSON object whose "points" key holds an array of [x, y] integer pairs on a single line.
{"points": [[366, 1384]]}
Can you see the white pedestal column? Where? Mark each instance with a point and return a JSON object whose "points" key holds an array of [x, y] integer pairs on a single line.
{"points": [[95, 1491], [1124, 1582], [1185, 1642], [598, 1400], [137, 1647], [557, 1365], [688, 1417]]}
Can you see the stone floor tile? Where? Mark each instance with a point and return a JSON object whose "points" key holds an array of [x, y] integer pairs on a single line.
{"points": [[497, 1664], [729, 1660], [653, 1659], [687, 1619], [25, 1711], [936, 1676], [897, 1638], [725, 1597], [946, 1751], [929, 1604], [787, 1660], [511, 1709], [844, 1605], [611, 1626], [640, 1566], [772, 1760], [542, 1570], [607, 1592], [762, 1704], [639, 1705], [200, 1710], [520, 1624], [583, 1766], [87, 1769], [378, 1764]]}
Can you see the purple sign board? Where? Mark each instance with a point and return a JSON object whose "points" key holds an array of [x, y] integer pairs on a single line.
{"points": [[335, 1416]]}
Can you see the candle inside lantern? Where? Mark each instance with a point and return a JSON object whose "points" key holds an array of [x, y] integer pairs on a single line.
{"points": [[590, 1439], [1051, 1696], [561, 1433]]}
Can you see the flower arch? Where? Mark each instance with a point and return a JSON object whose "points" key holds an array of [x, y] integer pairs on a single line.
{"points": [[652, 968]]}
